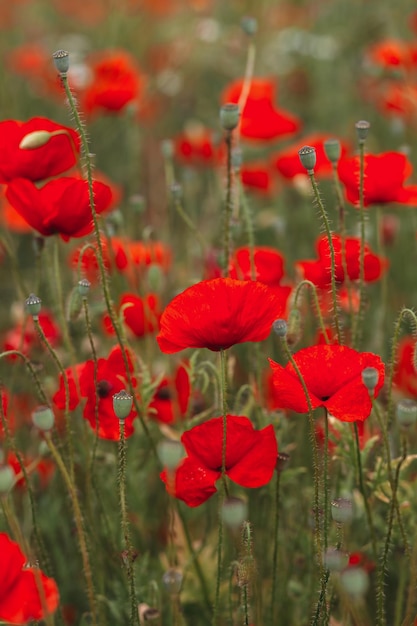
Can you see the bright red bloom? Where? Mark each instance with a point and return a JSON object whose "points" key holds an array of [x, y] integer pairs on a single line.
{"points": [[116, 83], [172, 397], [197, 146], [20, 600], [111, 378], [217, 314], [288, 163], [269, 265], [62, 206], [333, 377], [319, 271], [385, 175], [257, 177], [58, 155], [405, 375], [141, 315], [251, 457], [260, 119]]}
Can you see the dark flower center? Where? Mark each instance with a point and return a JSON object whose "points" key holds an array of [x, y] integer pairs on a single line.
{"points": [[104, 388], [163, 394]]}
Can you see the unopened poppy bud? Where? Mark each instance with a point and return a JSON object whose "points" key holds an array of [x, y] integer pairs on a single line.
{"points": [[355, 581], [84, 287], [332, 150], [172, 581], [167, 148], [249, 25], [294, 329], [234, 512], [36, 139], [280, 327], [406, 412], [308, 158], [342, 510], [170, 453], [61, 61], [122, 404], [74, 305], [282, 461], [7, 479], [370, 377], [33, 306], [229, 116], [335, 560], [155, 277], [43, 418], [362, 129]]}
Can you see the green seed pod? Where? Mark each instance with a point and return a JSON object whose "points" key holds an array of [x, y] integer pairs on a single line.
{"points": [[406, 412], [84, 287], [170, 453], [355, 581], [172, 581], [122, 404], [229, 116], [370, 377], [43, 418], [362, 130], [7, 479], [33, 306], [234, 512], [308, 158], [335, 560], [155, 277], [342, 510], [280, 327], [61, 61], [249, 25], [332, 150]]}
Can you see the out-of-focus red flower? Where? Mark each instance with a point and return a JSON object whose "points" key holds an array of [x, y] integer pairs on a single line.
{"points": [[111, 378], [385, 176], [288, 163], [390, 54], [43, 468], [319, 271], [24, 336], [197, 146], [62, 206], [172, 397], [397, 99], [333, 377], [251, 457], [20, 600], [116, 82], [405, 374], [141, 315], [90, 13], [260, 118], [257, 177], [57, 155], [390, 226], [268, 265], [217, 314]]}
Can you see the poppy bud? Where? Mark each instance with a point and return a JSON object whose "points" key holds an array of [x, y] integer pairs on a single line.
{"points": [[249, 25], [84, 287], [170, 453], [43, 418], [33, 306], [122, 404], [280, 327], [229, 116], [7, 479], [308, 158], [234, 512], [172, 581], [355, 581], [406, 412], [282, 461], [61, 61], [370, 378], [342, 510], [362, 129], [36, 139], [333, 150], [294, 330], [74, 306], [335, 560], [155, 277]]}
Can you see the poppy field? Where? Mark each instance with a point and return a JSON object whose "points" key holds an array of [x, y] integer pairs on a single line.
{"points": [[208, 369]]}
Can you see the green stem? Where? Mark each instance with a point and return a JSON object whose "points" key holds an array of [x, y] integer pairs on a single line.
{"points": [[364, 493], [276, 543], [359, 317], [313, 291], [228, 207]]}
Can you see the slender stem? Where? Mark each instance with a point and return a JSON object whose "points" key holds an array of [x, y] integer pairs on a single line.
{"points": [[79, 523], [276, 543], [325, 220], [359, 317], [364, 493], [313, 291], [228, 206], [188, 222]]}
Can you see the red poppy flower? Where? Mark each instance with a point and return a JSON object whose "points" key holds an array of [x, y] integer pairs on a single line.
{"points": [[24, 336], [385, 175], [257, 177], [319, 271], [405, 375], [111, 378], [389, 53], [333, 377], [141, 315], [172, 397], [251, 457], [20, 600], [398, 99], [260, 119], [217, 314], [197, 146], [57, 155], [43, 468], [288, 163], [116, 83], [269, 265], [62, 206]]}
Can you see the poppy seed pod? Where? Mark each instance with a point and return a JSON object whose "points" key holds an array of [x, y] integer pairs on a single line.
{"points": [[84, 287], [355, 581], [406, 412], [362, 129], [308, 158], [335, 560], [249, 25], [122, 404], [332, 150], [33, 306], [370, 377], [342, 510], [7, 479], [170, 453], [43, 418], [280, 327], [61, 61], [234, 512], [229, 116], [172, 581]]}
